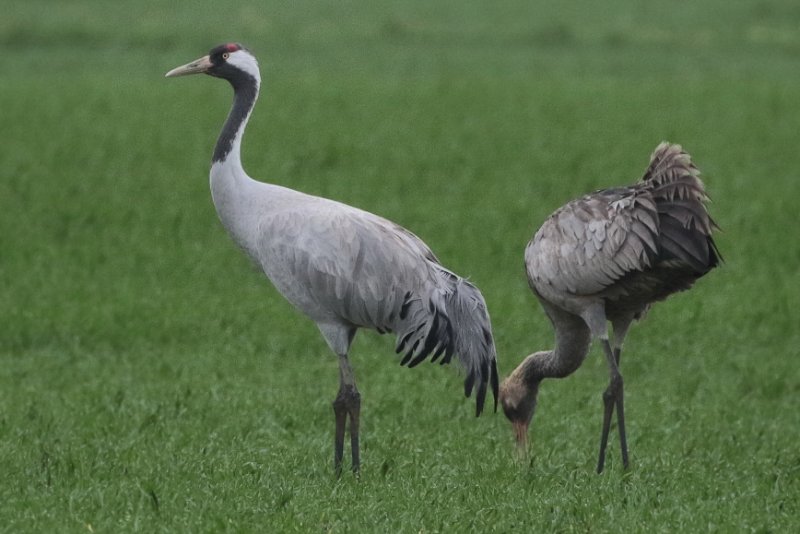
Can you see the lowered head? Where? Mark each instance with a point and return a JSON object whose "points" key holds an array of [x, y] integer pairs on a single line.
{"points": [[518, 398], [230, 61]]}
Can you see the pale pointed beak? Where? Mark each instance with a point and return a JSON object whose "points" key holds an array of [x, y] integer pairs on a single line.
{"points": [[195, 67]]}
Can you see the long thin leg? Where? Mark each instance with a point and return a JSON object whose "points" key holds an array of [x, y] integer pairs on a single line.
{"points": [[355, 413], [621, 326], [623, 442], [608, 403], [347, 404], [612, 396], [340, 414]]}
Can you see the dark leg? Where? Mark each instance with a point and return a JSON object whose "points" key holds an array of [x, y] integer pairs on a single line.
{"points": [[608, 404], [612, 396], [355, 411], [340, 413], [347, 403], [623, 442]]}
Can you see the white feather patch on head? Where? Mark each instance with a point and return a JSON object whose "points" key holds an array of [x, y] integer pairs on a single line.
{"points": [[245, 61]]}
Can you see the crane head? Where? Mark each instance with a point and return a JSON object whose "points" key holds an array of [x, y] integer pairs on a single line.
{"points": [[229, 61], [518, 394]]}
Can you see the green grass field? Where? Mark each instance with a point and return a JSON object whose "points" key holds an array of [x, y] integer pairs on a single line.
{"points": [[152, 380]]}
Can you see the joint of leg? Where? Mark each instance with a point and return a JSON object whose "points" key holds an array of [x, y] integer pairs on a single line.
{"points": [[614, 388], [616, 382], [339, 404], [347, 397], [616, 379], [352, 398]]}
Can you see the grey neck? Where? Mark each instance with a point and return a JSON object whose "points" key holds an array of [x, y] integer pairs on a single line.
{"points": [[572, 345]]}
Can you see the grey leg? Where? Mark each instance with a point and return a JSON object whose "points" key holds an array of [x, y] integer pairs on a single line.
{"points": [[347, 404], [612, 396]]}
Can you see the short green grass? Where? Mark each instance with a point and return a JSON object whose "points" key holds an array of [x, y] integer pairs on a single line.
{"points": [[151, 380]]}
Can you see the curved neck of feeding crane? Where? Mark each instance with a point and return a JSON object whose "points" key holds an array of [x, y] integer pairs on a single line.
{"points": [[245, 93], [572, 345]]}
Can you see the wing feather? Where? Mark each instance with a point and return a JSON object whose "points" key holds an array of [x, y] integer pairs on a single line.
{"points": [[338, 262], [343, 265], [593, 241], [651, 238]]}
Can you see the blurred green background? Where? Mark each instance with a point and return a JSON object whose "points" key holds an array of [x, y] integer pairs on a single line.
{"points": [[151, 379]]}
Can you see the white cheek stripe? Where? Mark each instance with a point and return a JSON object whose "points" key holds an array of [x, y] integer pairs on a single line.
{"points": [[245, 62]]}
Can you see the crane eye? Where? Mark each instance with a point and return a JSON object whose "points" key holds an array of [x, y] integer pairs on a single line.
{"points": [[225, 55]]}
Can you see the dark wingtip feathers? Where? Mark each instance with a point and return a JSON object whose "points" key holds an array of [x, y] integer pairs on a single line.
{"points": [[456, 323], [488, 376], [480, 398], [469, 382]]}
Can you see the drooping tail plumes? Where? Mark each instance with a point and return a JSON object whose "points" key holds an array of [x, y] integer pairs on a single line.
{"points": [[680, 196], [451, 319]]}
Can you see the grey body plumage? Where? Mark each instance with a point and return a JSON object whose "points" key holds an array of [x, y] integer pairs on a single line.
{"points": [[343, 267], [607, 257]]}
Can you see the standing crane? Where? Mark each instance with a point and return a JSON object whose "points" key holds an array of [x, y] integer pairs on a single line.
{"points": [[607, 257], [343, 267]]}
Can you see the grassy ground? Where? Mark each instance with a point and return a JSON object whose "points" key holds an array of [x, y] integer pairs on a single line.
{"points": [[151, 380]]}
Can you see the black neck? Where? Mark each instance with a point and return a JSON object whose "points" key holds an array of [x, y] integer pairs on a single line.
{"points": [[245, 93]]}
